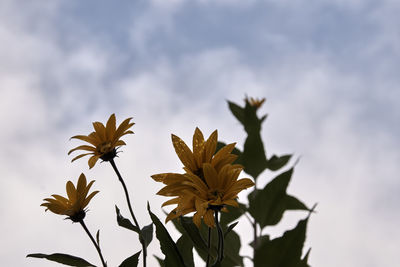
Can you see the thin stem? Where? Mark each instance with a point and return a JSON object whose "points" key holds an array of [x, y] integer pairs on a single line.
{"points": [[208, 247], [130, 209], [255, 242], [94, 242], [220, 238]]}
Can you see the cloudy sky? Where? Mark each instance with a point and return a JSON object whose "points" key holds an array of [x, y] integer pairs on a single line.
{"points": [[329, 70]]}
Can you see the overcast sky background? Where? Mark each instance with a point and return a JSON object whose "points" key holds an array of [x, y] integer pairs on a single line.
{"points": [[329, 70]]}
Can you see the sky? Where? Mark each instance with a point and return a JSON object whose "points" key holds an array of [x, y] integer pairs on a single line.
{"points": [[328, 69]]}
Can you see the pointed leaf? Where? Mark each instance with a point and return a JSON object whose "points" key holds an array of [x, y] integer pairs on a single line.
{"points": [[167, 244], [98, 237], [268, 205], [275, 163], [185, 246], [253, 157], [147, 234], [124, 222], [62, 258], [160, 261], [132, 261], [237, 111], [284, 251], [193, 233], [230, 228]]}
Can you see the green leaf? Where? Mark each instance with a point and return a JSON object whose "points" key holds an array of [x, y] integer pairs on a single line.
{"points": [[237, 111], [230, 228], [275, 163], [126, 223], [193, 233], [98, 237], [62, 258], [260, 240], [284, 251], [253, 156], [132, 261], [231, 250], [268, 205], [233, 213], [185, 246], [147, 234], [160, 261], [168, 247], [303, 262]]}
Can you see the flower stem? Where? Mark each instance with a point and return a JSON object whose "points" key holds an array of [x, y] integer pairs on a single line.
{"points": [[208, 247], [220, 238], [130, 209], [94, 242]]}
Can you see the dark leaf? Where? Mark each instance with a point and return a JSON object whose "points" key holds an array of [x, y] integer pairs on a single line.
{"points": [[132, 261], [230, 228], [185, 246], [284, 251], [147, 234], [260, 240], [193, 233], [232, 214], [160, 261], [268, 205], [62, 258], [237, 111], [98, 237], [253, 156], [303, 262], [168, 247], [124, 222], [275, 163]]}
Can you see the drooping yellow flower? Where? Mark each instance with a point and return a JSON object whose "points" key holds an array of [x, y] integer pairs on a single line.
{"points": [[73, 206], [255, 102], [104, 141], [210, 180]]}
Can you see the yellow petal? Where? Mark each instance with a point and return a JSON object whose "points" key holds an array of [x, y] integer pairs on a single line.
{"points": [[81, 184], [125, 125], [210, 146], [211, 176], [198, 145], [110, 127], [171, 202], [80, 156], [183, 152], [209, 218], [83, 147], [71, 191], [90, 139], [87, 200], [92, 161], [197, 219], [100, 130]]}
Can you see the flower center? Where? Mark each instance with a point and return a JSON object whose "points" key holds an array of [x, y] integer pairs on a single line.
{"points": [[105, 147]]}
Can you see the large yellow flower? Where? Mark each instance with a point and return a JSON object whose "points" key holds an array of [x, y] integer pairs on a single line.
{"points": [[104, 140], [210, 180], [73, 206], [214, 192]]}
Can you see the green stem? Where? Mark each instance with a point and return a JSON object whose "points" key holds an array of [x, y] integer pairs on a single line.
{"points": [[220, 238], [94, 242], [130, 209], [208, 247]]}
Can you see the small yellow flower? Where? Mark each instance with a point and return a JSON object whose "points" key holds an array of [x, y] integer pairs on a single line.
{"points": [[210, 181], [255, 102], [73, 206], [105, 140]]}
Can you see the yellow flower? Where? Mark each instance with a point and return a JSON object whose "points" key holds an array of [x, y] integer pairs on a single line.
{"points": [[73, 206], [105, 140], [210, 181], [255, 102], [217, 190]]}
